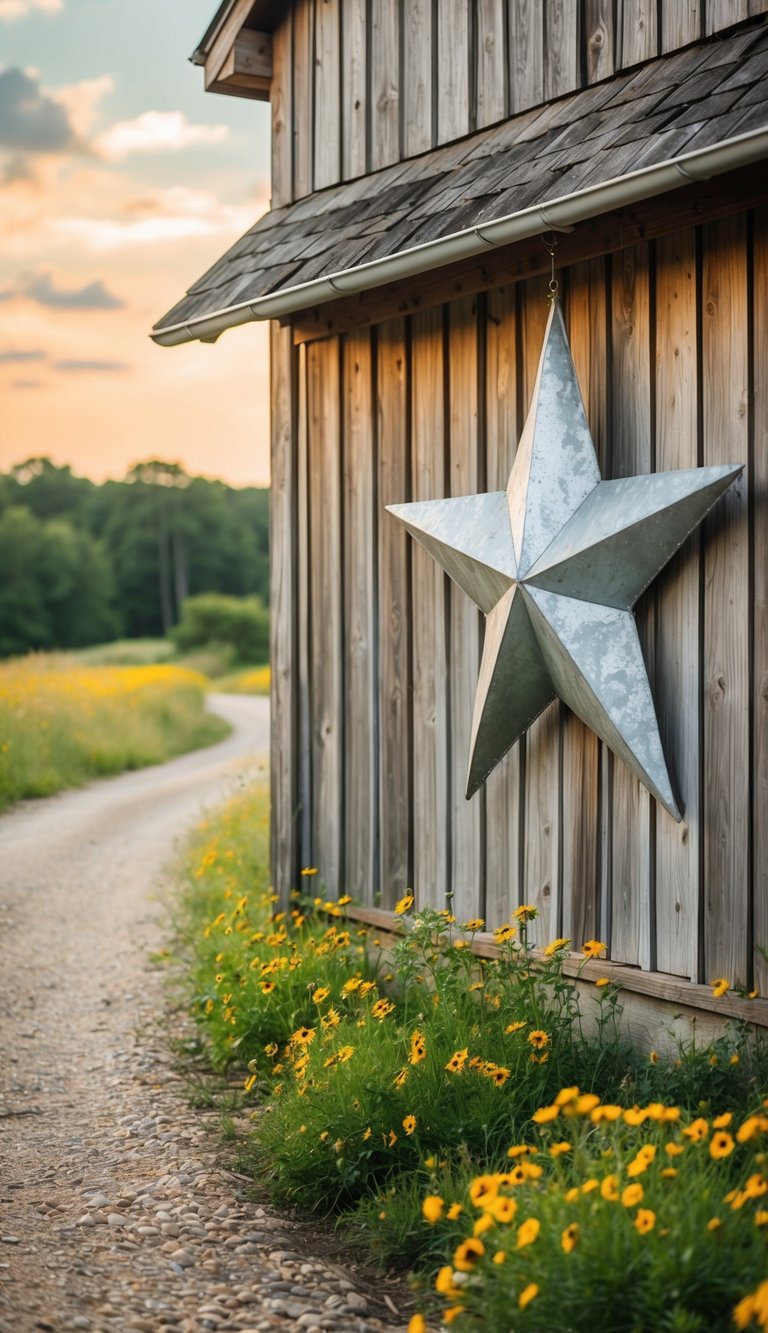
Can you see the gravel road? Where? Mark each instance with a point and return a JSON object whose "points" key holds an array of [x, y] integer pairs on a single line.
{"points": [[117, 1211]]}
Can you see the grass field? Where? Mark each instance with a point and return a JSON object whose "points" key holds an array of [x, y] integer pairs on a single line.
{"points": [[62, 723], [253, 680]]}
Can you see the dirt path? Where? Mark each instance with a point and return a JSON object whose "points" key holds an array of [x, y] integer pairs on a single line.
{"points": [[116, 1213]]}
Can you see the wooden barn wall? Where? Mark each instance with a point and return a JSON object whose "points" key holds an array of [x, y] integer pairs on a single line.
{"points": [[360, 84], [374, 680]]}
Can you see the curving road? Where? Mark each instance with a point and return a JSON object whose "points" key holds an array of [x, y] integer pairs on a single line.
{"points": [[81, 877]]}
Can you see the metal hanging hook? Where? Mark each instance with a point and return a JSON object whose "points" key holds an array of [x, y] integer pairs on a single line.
{"points": [[550, 245]]}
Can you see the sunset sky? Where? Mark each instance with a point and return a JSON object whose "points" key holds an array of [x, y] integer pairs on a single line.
{"points": [[121, 181]]}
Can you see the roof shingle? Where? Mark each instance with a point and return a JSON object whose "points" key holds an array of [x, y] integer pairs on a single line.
{"points": [[688, 100]]}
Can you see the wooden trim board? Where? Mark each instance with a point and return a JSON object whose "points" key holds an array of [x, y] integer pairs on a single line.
{"points": [[673, 991]]}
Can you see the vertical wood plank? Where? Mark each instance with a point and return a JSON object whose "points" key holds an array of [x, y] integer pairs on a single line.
{"points": [[361, 802], [354, 91], [680, 23], [417, 77], [562, 64], [638, 31], [326, 609], [526, 54], [464, 647], [598, 39], [678, 689], [453, 69], [327, 118], [632, 455], [430, 710], [491, 62], [502, 824], [385, 83], [283, 620], [587, 330], [760, 568], [722, 13], [304, 626], [394, 616], [725, 795], [281, 99], [541, 885], [303, 98]]}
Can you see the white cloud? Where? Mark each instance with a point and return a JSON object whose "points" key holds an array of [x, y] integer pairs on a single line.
{"points": [[167, 215], [156, 132], [19, 9], [81, 100]]}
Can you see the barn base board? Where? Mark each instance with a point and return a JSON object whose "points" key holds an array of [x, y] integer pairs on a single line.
{"points": [[660, 1011]]}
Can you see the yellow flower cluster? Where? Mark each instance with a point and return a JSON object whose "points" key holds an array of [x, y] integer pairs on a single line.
{"points": [[512, 1204]]}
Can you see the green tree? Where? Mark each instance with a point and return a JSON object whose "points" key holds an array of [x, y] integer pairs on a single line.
{"points": [[57, 590]]}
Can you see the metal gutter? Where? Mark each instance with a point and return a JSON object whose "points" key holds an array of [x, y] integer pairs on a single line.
{"points": [[558, 213]]}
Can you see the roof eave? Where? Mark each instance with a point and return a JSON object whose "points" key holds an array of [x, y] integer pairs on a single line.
{"points": [[558, 213]]}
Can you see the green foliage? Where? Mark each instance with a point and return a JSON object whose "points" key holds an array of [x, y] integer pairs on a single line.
{"points": [[497, 1090], [161, 536], [57, 588], [214, 618]]}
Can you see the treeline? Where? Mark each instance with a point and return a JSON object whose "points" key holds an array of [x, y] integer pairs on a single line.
{"points": [[84, 563]]}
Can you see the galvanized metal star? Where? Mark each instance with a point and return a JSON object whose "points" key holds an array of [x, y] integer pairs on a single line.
{"points": [[556, 563]]}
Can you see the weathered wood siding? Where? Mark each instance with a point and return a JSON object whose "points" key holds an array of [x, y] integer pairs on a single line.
{"points": [[359, 84], [375, 684]]}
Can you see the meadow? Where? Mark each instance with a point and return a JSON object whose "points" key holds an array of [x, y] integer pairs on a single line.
{"points": [[63, 723], [462, 1118]]}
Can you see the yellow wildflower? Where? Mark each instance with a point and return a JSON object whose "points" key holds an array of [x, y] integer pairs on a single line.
{"points": [[502, 934], [409, 1124], [527, 1295], [719, 987], [404, 904], [645, 1220], [545, 1114], [555, 945], [538, 1039], [467, 1254], [457, 1061], [631, 1195], [527, 1232], [570, 1237], [593, 948], [721, 1144], [609, 1188], [418, 1050], [432, 1208]]}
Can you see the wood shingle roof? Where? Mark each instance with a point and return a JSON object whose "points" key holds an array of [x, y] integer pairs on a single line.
{"points": [[679, 104]]}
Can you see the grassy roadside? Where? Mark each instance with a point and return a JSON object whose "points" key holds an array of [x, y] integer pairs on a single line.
{"points": [[62, 724], [462, 1118]]}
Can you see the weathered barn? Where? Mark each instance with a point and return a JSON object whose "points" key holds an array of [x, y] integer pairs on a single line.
{"points": [[421, 151]]}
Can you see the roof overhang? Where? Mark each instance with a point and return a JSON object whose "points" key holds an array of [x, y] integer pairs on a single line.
{"points": [[558, 213], [235, 50]]}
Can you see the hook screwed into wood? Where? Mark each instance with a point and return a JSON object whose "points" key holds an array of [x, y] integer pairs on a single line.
{"points": [[550, 245]]}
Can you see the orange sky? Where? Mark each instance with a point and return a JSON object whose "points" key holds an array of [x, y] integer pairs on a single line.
{"points": [[121, 181]]}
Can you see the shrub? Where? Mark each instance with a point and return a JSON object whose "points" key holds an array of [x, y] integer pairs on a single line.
{"points": [[213, 618]]}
